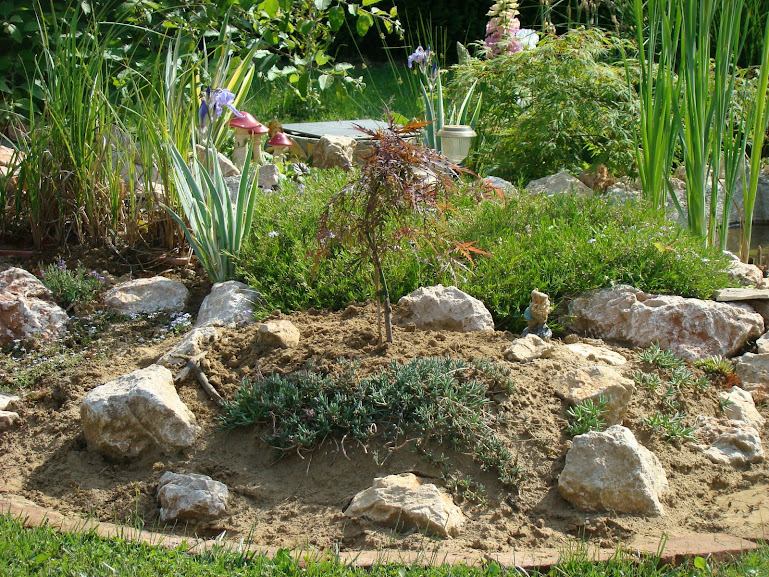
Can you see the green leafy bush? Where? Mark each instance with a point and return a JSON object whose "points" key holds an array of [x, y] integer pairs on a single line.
{"points": [[563, 105], [442, 399], [568, 244], [562, 245]]}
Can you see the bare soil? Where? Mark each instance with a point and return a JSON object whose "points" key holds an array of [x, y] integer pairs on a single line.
{"points": [[297, 500]]}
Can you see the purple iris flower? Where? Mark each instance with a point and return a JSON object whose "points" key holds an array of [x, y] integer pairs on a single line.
{"points": [[214, 103], [420, 56]]}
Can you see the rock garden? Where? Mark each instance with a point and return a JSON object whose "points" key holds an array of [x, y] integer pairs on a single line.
{"points": [[375, 342]]}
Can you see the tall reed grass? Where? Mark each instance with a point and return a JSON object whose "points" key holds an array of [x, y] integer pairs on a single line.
{"points": [[688, 59]]}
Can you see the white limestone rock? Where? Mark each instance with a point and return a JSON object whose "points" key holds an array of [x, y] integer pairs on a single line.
{"points": [[753, 369], [8, 420], [27, 309], [334, 151], [528, 348], [442, 308], [194, 343], [762, 344], [147, 295], [405, 501], [740, 294], [229, 304], [225, 164], [746, 274], [610, 471], [594, 353], [191, 497], [136, 412], [691, 328], [576, 386], [739, 406], [269, 177], [9, 402], [280, 333], [727, 442], [559, 183]]}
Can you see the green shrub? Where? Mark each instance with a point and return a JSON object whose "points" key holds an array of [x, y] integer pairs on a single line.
{"points": [[568, 244], [562, 245], [442, 399], [562, 105]]}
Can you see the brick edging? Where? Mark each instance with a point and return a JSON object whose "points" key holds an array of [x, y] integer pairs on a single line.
{"points": [[677, 549]]}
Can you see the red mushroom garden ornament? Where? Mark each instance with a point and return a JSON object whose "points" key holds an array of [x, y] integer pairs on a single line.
{"points": [[247, 129], [280, 143]]}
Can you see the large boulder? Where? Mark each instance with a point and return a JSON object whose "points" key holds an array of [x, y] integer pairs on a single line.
{"points": [[691, 328], [610, 471], [441, 308], [27, 309], [334, 151], [135, 412], [191, 497], [229, 304], [146, 295], [727, 442], [405, 501], [593, 383]]}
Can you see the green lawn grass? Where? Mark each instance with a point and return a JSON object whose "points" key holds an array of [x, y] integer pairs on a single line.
{"points": [[42, 551]]}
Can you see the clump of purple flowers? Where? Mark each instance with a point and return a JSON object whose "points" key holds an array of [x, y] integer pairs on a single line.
{"points": [[70, 286]]}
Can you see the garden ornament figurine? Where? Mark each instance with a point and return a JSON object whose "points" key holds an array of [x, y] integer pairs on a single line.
{"points": [[536, 315], [248, 131]]}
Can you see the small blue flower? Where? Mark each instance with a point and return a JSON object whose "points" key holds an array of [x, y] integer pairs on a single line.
{"points": [[272, 233], [591, 241]]}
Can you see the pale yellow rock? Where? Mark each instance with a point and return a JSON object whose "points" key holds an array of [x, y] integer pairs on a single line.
{"points": [[527, 349], [739, 406], [740, 294], [406, 501], [576, 386], [610, 471], [280, 333], [593, 353], [135, 412]]}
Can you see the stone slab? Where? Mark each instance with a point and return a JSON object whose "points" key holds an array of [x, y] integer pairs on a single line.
{"points": [[740, 294], [334, 128]]}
